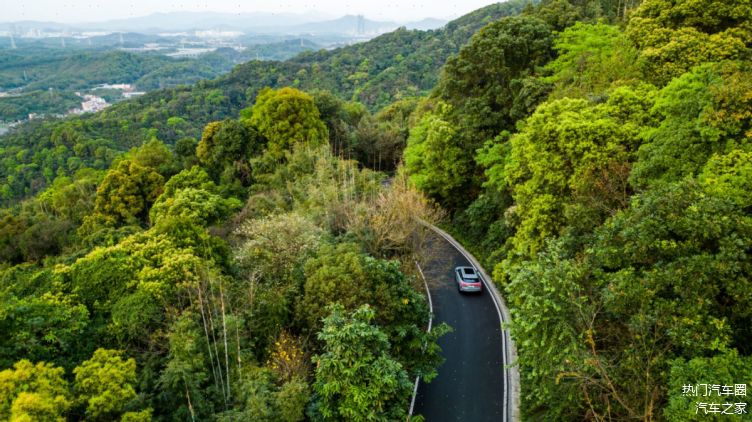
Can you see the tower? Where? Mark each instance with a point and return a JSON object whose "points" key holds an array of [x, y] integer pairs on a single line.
{"points": [[62, 40], [12, 42], [89, 41], [361, 25], [121, 39]]}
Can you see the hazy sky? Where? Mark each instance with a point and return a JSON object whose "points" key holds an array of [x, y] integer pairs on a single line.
{"points": [[71, 11]]}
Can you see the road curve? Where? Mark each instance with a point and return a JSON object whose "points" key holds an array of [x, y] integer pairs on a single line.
{"points": [[472, 385]]}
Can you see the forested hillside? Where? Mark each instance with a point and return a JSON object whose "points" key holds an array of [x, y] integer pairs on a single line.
{"points": [[206, 281], [603, 171], [228, 250], [86, 70], [183, 256], [42, 102], [35, 71], [391, 67], [147, 71]]}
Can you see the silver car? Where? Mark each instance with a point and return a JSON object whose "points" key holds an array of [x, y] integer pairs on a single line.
{"points": [[468, 280]]}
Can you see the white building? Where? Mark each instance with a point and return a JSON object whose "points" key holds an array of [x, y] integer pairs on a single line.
{"points": [[93, 104]]}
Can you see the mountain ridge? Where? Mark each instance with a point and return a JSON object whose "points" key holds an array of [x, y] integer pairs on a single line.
{"points": [[254, 22]]}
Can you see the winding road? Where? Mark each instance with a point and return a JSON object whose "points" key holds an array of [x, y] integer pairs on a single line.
{"points": [[473, 384]]}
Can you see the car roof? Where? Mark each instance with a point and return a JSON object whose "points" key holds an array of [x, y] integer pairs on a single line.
{"points": [[468, 272]]}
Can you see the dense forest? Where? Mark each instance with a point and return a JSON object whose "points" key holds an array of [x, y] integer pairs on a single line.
{"points": [[206, 281], [602, 169], [229, 251]]}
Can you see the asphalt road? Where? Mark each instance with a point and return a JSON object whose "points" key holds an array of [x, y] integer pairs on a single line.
{"points": [[470, 384]]}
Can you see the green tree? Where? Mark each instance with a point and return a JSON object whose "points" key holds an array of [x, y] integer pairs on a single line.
{"points": [[730, 176], [558, 14], [130, 286], [287, 117], [185, 150], [483, 81], [105, 383], [12, 227], [260, 399], [704, 112], [31, 392], [561, 142], [437, 160], [142, 416], [727, 368], [279, 245], [40, 326], [592, 58], [72, 198], [126, 193], [336, 269], [599, 327], [676, 35], [153, 154], [229, 144], [185, 375], [356, 378], [192, 195]]}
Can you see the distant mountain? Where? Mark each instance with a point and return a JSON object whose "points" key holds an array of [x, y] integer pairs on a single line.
{"points": [[186, 21], [345, 24], [181, 21], [426, 24], [257, 22]]}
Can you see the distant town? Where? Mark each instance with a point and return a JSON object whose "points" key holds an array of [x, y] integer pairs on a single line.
{"points": [[199, 41], [49, 67]]}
